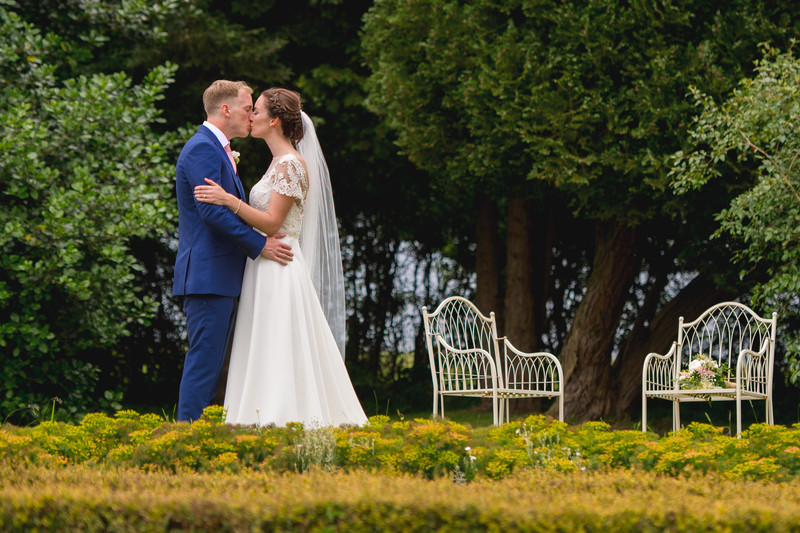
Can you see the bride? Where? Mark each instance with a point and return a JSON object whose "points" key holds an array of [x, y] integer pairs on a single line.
{"points": [[287, 362]]}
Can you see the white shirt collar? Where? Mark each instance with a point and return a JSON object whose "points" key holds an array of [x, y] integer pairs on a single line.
{"points": [[216, 131]]}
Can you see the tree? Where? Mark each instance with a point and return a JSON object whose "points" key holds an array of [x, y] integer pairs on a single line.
{"points": [[84, 175], [382, 201], [575, 106], [755, 133]]}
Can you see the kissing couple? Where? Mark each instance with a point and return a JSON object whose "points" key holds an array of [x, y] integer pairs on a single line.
{"points": [[273, 262]]}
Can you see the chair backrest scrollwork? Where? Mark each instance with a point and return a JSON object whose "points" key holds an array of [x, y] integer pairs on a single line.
{"points": [[462, 326], [723, 331]]}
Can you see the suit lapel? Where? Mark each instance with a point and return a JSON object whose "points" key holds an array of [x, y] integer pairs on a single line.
{"points": [[239, 186], [225, 158]]}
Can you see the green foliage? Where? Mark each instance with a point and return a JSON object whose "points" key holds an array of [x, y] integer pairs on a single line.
{"points": [[87, 499], [83, 176], [576, 106], [585, 96], [310, 46], [137, 472], [753, 137], [96, 21], [431, 449]]}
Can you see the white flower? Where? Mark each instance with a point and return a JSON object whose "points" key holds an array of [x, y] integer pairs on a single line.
{"points": [[235, 155], [703, 373]]}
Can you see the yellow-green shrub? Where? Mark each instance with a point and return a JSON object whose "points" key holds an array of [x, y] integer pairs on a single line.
{"points": [[87, 499], [423, 447]]}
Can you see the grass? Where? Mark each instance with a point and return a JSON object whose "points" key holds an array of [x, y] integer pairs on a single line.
{"points": [[477, 414]]}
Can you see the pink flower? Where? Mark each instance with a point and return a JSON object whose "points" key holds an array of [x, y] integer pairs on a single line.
{"points": [[705, 372]]}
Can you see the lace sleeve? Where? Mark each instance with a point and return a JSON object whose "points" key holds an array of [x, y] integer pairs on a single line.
{"points": [[291, 179]]}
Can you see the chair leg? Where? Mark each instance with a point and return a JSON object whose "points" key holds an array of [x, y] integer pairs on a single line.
{"points": [[676, 415], [770, 414], [738, 417], [644, 413]]}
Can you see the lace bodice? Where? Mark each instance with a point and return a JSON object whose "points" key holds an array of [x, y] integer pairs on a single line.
{"points": [[285, 176]]}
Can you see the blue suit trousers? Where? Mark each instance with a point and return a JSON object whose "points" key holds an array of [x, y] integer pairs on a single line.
{"points": [[209, 320]]}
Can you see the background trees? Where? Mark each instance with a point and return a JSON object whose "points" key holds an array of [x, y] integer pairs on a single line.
{"points": [[571, 110], [755, 131], [311, 47], [517, 152]]}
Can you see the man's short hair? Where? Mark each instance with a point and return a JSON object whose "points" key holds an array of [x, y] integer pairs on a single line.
{"points": [[220, 92]]}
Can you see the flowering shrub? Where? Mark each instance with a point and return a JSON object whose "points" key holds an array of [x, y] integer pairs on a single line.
{"points": [[704, 373], [431, 449]]}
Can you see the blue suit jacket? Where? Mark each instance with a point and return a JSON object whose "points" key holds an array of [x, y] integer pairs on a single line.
{"points": [[213, 242]]}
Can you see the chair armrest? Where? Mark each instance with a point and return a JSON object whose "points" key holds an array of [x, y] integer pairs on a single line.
{"points": [[753, 369], [519, 353], [466, 351], [464, 369], [659, 370], [760, 354], [670, 354], [531, 370]]}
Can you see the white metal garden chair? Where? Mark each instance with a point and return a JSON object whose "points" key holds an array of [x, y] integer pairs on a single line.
{"points": [[466, 360], [729, 333]]}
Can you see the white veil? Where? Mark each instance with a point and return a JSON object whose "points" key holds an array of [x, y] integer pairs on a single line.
{"points": [[319, 239]]}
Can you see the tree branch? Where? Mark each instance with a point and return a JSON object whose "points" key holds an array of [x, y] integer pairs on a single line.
{"points": [[783, 175]]}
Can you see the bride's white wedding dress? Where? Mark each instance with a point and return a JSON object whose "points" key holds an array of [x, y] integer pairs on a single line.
{"points": [[285, 363]]}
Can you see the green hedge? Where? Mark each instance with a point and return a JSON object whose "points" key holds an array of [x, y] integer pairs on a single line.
{"points": [[430, 449], [85, 498]]}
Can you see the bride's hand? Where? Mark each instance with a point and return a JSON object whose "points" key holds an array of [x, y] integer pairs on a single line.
{"points": [[212, 193]]}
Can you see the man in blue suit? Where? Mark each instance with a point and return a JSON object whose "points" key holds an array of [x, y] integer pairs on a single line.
{"points": [[213, 243]]}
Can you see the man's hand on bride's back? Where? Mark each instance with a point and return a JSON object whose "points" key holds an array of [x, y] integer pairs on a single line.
{"points": [[277, 250]]}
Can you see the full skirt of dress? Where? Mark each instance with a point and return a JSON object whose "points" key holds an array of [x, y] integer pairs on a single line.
{"points": [[285, 364]]}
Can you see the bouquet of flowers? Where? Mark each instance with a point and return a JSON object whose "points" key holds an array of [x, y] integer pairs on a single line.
{"points": [[704, 373]]}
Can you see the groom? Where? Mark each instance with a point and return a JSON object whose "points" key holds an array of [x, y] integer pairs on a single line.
{"points": [[213, 243]]}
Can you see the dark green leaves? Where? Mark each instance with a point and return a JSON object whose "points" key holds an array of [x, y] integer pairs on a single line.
{"points": [[83, 174]]}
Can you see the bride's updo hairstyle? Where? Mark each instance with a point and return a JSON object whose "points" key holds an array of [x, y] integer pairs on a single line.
{"points": [[285, 104]]}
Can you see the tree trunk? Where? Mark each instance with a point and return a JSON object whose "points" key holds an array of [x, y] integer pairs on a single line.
{"points": [[519, 298], [421, 365], [487, 260], [662, 331], [522, 288], [542, 246], [585, 356]]}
